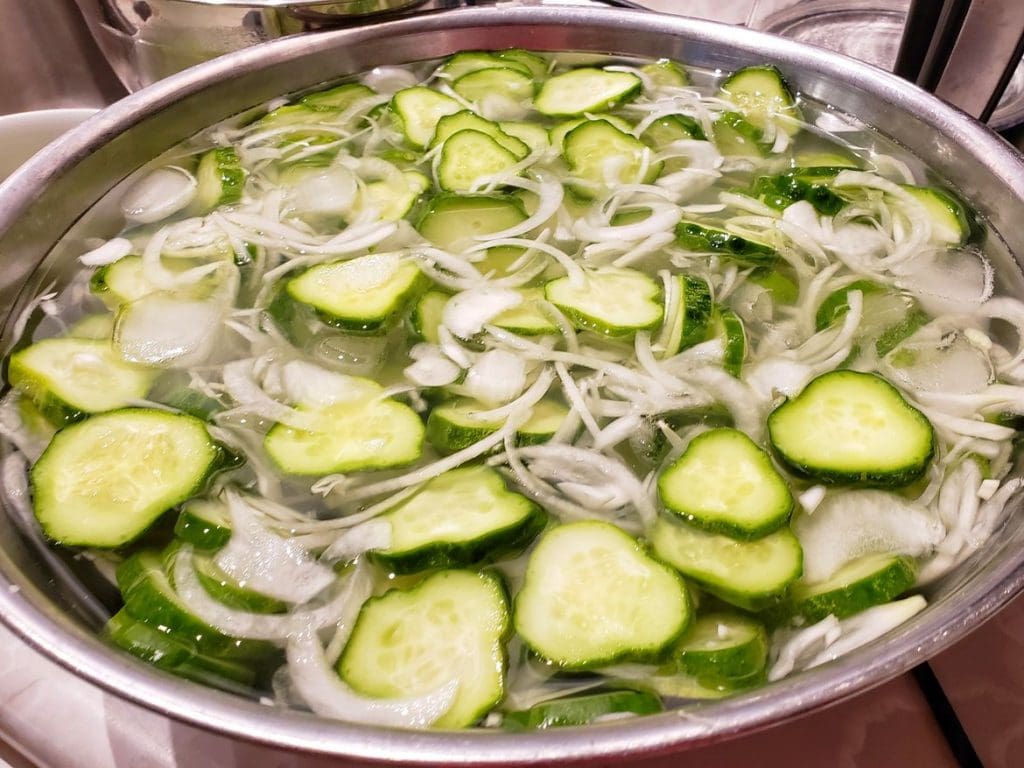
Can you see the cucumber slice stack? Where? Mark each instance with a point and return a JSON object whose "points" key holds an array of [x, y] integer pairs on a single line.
{"points": [[580, 710], [724, 650]]}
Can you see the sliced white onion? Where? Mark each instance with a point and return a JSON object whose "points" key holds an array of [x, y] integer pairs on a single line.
{"points": [[113, 250], [663, 216], [466, 313], [308, 384], [550, 194], [353, 542], [142, 333], [159, 194], [852, 524], [812, 497], [319, 686], [793, 648], [434, 370], [266, 562], [860, 629], [496, 377]]}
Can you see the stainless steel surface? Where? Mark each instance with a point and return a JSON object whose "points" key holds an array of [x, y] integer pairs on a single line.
{"points": [[48, 196], [149, 40]]}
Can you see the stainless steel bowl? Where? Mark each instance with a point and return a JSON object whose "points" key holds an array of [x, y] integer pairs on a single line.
{"points": [[41, 230]]}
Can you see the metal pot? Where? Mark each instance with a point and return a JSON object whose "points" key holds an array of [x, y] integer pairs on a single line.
{"points": [[42, 229]]}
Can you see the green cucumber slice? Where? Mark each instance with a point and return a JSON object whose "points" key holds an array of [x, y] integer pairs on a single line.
{"points": [[724, 649], [592, 596], [220, 179], [950, 224], [482, 84], [860, 584], [724, 483], [204, 523], [469, 156], [728, 326], [103, 481], [783, 288], [534, 136], [449, 627], [761, 94], [558, 132], [69, 378], [581, 710], [393, 199], [612, 301], [660, 134], [451, 222], [594, 147], [337, 99], [527, 319], [666, 73], [174, 655], [451, 426], [461, 64], [97, 327], [125, 281], [150, 598], [835, 306], [226, 590], [809, 184], [352, 436], [464, 517], [587, 89], [753, 575], [852, 427], [705, 239], [419, 109], [694, 313], [366, 294], [537, 65], [465, 120], [427, 315], [734, 136]]}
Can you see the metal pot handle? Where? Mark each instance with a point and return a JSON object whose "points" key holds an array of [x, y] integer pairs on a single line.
{"points": [[965, 51]]}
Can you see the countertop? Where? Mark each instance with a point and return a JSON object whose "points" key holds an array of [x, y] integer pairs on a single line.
{"points": [[965, 707]]}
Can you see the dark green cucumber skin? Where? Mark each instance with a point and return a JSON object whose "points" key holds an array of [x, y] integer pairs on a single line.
{"points": [[443, 555], [725, 527], [175, 655], [697, 313], [726, 667], [853, 598], [696, 237], [784, 189], [894, 479], [149, 605], [835, 306], [893, 337], [224, 590], [231, 176], [683, 124], [580, 710], [200, 533]]}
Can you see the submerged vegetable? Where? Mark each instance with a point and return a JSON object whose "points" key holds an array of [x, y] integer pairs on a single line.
{"points": [[499, 389]]}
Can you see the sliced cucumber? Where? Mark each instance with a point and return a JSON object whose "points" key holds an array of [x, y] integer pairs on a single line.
{"points": [[537, 65], [172, 654], [223, 588], [694, 313], [97, 327], [580, 710], [452, 222], [150, 598], [352, 436], [481, 85], [728, 326], [666, 73], [69, 378], [558, 132], [784, 289], [950, 225], [466, 120], [887, 317], [393, 199], [419, 109], [125, 280], [860, 584], [583, 90], [337, 99], [810, 184], [753, 575], [705, 239], [665, 130], [835, 306], [463, 517], [103, 481], [463, 63], [451, 426], [762, 95], [220, 178], [427, 315], [724, 649], [592, 596], [527, 319], [204, 523], [532, 135], [735, 136], [601, 157], [449, 627], [725, 483], [366, 294], [612, 301], [851, 427], [470, 156]]}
